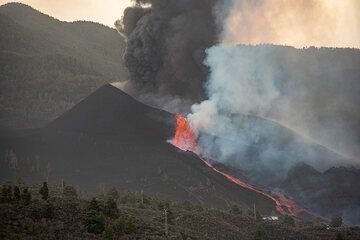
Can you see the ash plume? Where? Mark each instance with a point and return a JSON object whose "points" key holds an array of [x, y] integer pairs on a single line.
{"points": [[166, 42]]}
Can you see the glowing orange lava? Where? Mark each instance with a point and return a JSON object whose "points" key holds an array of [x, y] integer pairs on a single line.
{"points": [[185, 140], [184, 136]]}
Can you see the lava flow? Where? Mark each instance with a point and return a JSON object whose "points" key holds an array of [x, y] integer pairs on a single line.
{"points": [[184, 136], [185, 139]]}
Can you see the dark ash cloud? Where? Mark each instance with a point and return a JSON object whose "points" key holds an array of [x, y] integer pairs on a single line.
{"points": [[166, 42]]}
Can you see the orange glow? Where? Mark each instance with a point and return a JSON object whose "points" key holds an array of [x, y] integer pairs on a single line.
{"points": [[299, 23], [283, 204], [185, 138]]}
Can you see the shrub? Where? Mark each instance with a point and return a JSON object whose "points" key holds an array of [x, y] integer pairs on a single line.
{"points": [[288, 220], [160, 203], [93, 205], [186, 205], [258, 215], [26, 196], [110, 232], [94, 221], [259, 233], [125, 224], [43, 210], [336, 222], [93, 218], [129, 197], [235, 210], [44, 191], [111, 209], [113, 193], [70, 193], [17, 194], [6, 193]]}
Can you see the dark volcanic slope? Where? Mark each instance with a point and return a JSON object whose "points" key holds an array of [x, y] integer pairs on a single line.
{"points": [[110, 139]]}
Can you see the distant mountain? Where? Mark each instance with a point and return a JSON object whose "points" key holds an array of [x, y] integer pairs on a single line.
{"points": [[47, 66], [331, 193], [322, 189], [110, 139], [270, 150]]}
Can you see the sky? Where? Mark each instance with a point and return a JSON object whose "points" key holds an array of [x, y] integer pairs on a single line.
{"points": [[299, 23], [104, 11]]}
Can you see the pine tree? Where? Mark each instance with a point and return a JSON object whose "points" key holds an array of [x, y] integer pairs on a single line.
{"points": [[26, 196], [113, 193], [44, 191], [17, 196], [94, 205], [259, 233], [70, 193], [336, 222], [111, 208], [6, 193]]}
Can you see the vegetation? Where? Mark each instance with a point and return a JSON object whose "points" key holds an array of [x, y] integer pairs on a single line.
{"points": [[288, 220], [26, 196], [105, 218], [44, 191], [17, 196], [235, 210], [336, 222], [48, 66], [259, 232], [43, 210], [70, 193], [111, 209]]}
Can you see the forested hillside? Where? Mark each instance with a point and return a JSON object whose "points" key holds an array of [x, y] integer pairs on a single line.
{"points": [[47, 66]]}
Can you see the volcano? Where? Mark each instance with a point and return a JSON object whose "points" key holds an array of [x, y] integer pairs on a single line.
{"points": [[111, 139]]}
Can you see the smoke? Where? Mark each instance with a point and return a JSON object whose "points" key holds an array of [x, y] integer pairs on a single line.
{"points": [[257, 93], [166, 42], [272, 107], [297, 23]]}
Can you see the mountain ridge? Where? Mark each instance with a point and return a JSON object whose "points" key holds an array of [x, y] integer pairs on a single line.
{"points": [[47, 65]]}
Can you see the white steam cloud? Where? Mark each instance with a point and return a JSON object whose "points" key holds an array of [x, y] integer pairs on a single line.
{"points": [[271, 107]]}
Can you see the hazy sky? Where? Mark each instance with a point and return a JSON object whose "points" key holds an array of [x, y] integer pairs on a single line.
{"points": [[103, 11], [291, 22]]}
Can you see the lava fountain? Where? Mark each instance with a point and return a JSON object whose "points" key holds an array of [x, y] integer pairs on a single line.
{"points": [[185, 139]]}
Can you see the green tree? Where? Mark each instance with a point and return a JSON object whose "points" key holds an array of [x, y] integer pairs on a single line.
{"points": [[26, 196], [110, 232], [259, 232], [6, 193], [125, 224], [94, 221], [17, 194], [93, 205], [111, 208], [43, 210], [129, 197], [44, 191], [93, 218], [258, 215], [235, 210], [336, 221], [70, 193], [113, 193]]}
